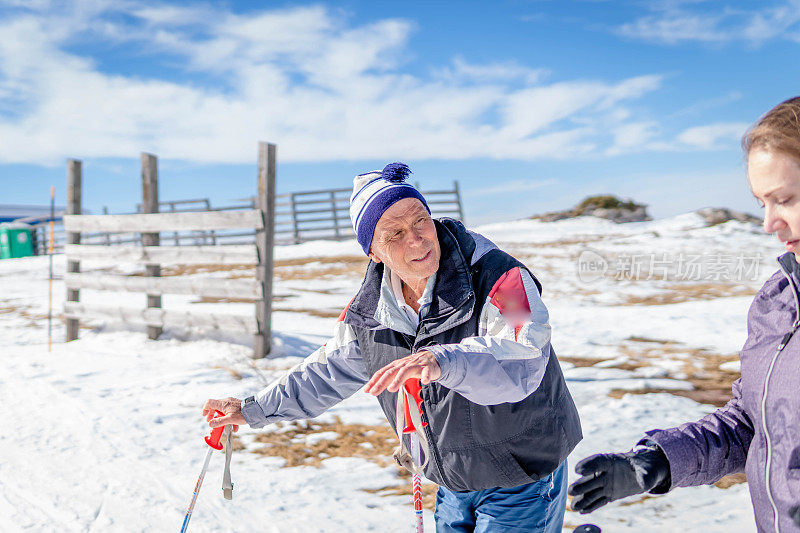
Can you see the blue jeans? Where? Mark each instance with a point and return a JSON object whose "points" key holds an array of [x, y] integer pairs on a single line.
{"points": [[537, 506]]}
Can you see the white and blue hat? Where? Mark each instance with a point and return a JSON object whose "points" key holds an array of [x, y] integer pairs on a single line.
{"points": [[374, 193]]}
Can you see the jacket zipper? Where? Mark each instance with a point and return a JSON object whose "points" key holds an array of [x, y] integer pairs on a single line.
{"points": [[432, 448], [781, 346], [434, 451]]}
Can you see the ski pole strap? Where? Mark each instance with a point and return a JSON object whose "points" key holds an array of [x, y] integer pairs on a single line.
{"points": [[401, 454], [227, 484]]}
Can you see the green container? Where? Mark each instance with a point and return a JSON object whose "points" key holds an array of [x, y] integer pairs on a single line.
{"points": [[15, 240]]}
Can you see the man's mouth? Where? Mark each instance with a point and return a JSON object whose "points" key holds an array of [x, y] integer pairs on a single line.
{"points": [[423, 258], [791, 246]]}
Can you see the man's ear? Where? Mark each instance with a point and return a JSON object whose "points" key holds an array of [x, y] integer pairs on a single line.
{"points": [[374, 257]]}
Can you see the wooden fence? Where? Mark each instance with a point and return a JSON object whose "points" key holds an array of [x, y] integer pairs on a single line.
{"points": [[149, 224], [325, 214], [299, 217]]}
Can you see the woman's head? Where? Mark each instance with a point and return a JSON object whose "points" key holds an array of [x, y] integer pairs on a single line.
{"points": [[777, 131], [772, 150]]}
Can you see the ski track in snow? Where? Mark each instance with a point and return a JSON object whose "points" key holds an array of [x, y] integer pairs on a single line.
{"points": [[105, 433]]}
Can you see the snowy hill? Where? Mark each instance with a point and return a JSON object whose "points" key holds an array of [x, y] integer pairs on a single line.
{"points": [[105, 433]]}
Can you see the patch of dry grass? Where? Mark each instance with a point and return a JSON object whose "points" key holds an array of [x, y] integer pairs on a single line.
{"points": [[233, 372], [635, 338], [581, 362], [222, 300], [731, 480], [686, 292], [286, 269], [373, 443], [321, 267], [321, 313], [711, 384], [340, 259], [236, 271], [23, 312], [407, 489]]}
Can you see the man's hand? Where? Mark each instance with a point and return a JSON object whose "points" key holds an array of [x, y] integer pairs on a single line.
{"points": [[421, 365], [232, 407], [610, 476]]}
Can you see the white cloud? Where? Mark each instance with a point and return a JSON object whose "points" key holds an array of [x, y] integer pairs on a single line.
{"points": [[303, 77], [713, 136], [672, 23], [672, 28], [632, 135], [499, 71], [511, 186]]}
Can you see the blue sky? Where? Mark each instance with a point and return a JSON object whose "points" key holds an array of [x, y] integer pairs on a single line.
{"points": [[530, 104]]}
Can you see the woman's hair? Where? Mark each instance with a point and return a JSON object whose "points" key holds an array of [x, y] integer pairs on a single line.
{"points": [[778, 130]]}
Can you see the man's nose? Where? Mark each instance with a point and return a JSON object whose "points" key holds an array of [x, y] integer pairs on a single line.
{"points": [[415, 236]]}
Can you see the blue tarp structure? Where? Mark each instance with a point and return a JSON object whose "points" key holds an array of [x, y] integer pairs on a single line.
{"points": [[32, 214]]}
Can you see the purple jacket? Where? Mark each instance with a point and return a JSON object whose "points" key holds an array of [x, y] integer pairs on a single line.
{"points": [[758, 431]]}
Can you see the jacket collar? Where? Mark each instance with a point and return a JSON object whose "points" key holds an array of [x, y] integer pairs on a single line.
{"points": [[452, 289], [791, 270]]}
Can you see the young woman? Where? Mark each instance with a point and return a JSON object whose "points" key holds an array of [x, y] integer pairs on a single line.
{"points": [[758, 431]]}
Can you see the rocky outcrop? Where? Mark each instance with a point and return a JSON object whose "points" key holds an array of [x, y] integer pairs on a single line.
{"points": [[720, 215], [606, 206]]}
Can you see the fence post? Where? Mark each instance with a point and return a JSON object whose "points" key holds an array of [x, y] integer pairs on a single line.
{"points": [[174, 234], [265, 238], [150, 205], [213, 234], [74, 179], [108, 235], [458, 201], [295, 222], [38, 240], [335, 217]]}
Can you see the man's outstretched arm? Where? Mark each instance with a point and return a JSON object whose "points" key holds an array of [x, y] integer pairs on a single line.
{"points": [[326, 377]]}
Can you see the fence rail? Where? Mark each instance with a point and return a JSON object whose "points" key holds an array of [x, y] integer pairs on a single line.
{"points": [[160, 318], [186, 255], [157, 222], [212, 287]]}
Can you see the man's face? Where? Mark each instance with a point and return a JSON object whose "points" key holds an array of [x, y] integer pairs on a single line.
{"points": [[405, 240]]}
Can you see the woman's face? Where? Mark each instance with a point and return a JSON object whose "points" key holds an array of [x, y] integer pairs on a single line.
{"points": [[775, 182]]}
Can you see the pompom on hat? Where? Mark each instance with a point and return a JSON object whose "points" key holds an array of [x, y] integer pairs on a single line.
{"points": [[374, 193]]}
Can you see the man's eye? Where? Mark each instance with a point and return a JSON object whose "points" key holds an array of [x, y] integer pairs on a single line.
{"points": [[784, 201]]}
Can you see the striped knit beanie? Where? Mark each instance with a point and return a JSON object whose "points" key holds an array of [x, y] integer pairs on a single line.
{"points": [[374, 193]]}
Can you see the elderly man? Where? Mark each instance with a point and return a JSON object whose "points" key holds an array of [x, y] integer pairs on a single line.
{"points": [[444, 306]]}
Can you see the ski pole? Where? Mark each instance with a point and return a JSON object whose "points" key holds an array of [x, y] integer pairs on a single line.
{"points": [[414, 388], [213, 442], [50, 278], [418, 524]]}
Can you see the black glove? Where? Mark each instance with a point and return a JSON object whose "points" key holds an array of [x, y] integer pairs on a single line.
{"points": [[794, 512], [610, 476]]}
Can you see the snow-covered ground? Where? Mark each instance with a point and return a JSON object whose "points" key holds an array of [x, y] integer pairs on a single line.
{"points": [[105, 433]]}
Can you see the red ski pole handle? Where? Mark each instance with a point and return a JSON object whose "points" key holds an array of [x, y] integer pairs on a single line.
{"points": [[414, 389], [216, 433]]}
